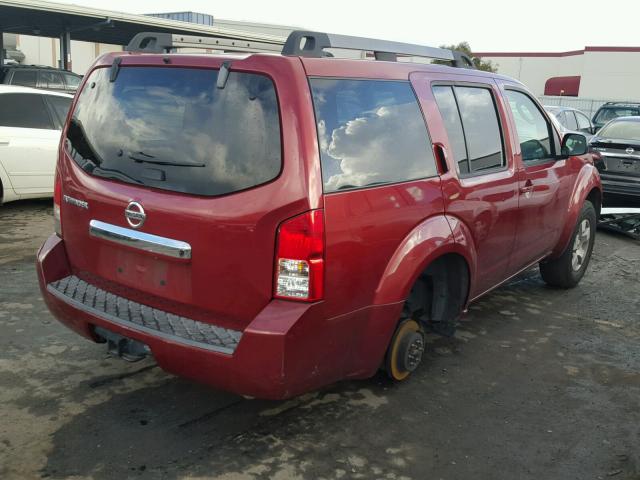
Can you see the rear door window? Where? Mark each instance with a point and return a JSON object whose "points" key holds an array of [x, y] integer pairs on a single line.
{"points": [[60, 106], [571, 124], [446, 100], [471, 121], [371, 132], [24, 110], [171, 128], [584, 125], [72, 81], [25, 78], [51, 80], [609, 113]]}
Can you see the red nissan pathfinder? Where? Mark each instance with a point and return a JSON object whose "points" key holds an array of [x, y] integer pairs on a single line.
{"points": [[272, 223]]}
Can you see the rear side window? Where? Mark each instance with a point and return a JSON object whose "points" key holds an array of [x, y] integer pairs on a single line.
{"points": [[371, 132], [25, 78], [24, 110], [534, 132], [171, 128], [472, 125]]}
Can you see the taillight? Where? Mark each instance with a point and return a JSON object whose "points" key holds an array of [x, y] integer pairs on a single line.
{"points": [[57, 201], [300, 258]]}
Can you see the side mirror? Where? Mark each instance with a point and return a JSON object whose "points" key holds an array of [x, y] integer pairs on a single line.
{"points": [[574, 144]]}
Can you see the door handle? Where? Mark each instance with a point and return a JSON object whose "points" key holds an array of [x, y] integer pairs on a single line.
{"points": [[4, 142], [527, 189]]}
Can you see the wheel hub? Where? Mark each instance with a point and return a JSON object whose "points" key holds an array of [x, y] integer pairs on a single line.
{"points": [[581, 245]]}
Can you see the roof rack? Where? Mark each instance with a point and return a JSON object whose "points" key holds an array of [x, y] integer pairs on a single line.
{"points": [[313, 44], [299, 43], [154, 42]]}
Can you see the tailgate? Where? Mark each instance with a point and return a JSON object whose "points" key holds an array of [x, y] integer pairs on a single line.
{"points": [[185, 184]]}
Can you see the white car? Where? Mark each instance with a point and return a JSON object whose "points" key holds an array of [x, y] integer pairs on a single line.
{"points": [[30, 124]]}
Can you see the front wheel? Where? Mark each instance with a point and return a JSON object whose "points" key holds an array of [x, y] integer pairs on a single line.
{"points": [[567, 270]]}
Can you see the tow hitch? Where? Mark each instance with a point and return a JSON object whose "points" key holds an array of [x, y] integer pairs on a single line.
{"points": [[126, 348]]}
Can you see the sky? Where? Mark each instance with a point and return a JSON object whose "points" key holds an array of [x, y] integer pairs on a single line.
{"points": [[488, 25]]}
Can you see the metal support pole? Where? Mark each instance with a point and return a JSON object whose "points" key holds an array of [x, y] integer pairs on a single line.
{"points": [[65, 51], [1, 49]]}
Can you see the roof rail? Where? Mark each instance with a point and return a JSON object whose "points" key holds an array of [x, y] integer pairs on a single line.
{"points": [[299, 43], [155, 42], [312, 44]]}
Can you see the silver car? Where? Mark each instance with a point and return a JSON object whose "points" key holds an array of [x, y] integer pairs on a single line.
{"points": [[571, 120]]}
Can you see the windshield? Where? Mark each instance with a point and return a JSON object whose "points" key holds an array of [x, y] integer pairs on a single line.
{"points": [[606, 114], [623, 130], [172, 128]]}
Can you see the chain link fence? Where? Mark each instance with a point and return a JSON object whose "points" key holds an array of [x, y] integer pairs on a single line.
{"points": [[587, 105]]}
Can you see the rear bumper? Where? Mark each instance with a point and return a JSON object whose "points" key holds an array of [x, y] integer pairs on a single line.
{"points": [[287, 349], [620, 185]]}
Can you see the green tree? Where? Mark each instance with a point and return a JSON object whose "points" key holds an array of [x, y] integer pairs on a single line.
{"points": [[465, 48]]}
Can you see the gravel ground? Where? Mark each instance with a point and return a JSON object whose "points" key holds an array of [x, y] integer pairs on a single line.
{"points": [[536, 384]]}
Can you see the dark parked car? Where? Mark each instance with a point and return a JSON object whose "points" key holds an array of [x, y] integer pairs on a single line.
{"points": [[617, 150], [611, 110], [270, 224], [572, 119], [35, 76]]}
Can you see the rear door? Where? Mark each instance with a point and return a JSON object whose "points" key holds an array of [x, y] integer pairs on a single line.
{"points": [[480, 188], [544, 183], [29, 139], [379, 179], [167, 151]]}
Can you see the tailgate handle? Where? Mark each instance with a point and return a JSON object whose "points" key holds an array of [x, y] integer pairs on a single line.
{"points": [[140, 240]]}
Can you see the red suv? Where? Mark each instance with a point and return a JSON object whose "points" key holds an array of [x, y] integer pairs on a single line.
{"points": [[269, 224]]}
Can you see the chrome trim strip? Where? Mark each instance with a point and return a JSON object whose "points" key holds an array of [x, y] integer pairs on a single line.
{"points": [[113, 319], [622, 156], [140, 240]]}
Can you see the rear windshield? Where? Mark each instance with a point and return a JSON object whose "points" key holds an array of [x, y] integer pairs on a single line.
{"points": [[606, 114], [173, 129], [622, 130]]}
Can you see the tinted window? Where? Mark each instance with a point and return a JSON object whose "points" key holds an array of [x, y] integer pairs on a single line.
{"points": [[171, 128], [24, 110], [609, 113], [51, 80], [60, 106], [583, 122], [481, 128], [623, 130], [533, 129], [370, 132], [448, 107], [571, 120], [26, 78], [72, 81]]}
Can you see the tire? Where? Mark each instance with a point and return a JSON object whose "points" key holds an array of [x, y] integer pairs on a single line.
{"points": [[405, 350], [567, 270]]}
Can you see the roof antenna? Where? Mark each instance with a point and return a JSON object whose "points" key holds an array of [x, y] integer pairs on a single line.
{"points": [[223, 75]]}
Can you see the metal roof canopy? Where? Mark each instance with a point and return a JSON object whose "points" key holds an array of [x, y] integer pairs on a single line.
{"points": [[64, 21]]}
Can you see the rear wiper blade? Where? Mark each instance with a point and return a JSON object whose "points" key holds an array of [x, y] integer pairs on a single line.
{"points": [[151, 159]]}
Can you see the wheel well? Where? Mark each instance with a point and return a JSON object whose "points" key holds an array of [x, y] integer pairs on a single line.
{"points": [[439, 294], [595, 197]]}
